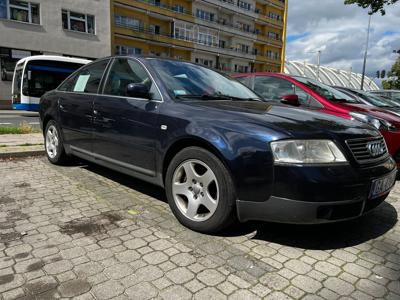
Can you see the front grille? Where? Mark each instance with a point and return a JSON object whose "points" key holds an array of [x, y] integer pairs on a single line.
{"points": [[364, 153]]}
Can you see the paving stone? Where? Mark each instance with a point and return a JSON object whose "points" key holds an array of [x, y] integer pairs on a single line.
{"points": [[108, 289], [298, 266], [175, 292], [58, 267], [339, 286], [210, 293], [327, 268], [274, 281], [183, 259], [118, 271], [74, 288], [357, 270], [142, 291], [371, 288], [306, 284], [210, 277], [135, 243], [277, 296], [155, 257], [10, 281], [180, 275]]}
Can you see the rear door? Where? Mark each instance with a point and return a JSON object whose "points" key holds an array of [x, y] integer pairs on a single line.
{"points": [[76, 106], [126, 128]]}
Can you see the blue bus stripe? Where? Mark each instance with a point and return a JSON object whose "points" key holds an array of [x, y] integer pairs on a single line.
{"points": [[51, 69]]}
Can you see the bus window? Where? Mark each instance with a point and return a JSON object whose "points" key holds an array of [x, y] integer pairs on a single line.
{"points": [[46, 76]]}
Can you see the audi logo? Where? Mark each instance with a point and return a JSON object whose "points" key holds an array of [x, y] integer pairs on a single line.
{"points": [[376, 148]]}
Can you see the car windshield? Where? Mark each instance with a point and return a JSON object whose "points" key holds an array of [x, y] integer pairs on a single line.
{"points": [[396, 96], [378, 101], [326, 91], [187, 81]]}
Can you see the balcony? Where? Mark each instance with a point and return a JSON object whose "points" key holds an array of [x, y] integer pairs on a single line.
{"points": [[269, 41], [232, 6], [174, 12], [144, 32]]}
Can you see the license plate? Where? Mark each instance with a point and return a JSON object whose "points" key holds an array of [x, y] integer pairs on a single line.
{"points": [[382, 185]]}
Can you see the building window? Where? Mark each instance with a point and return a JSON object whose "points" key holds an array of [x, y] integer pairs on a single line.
{"points": [[179, 8], [155, 29], [125, 50], [128, 22], [78, 22], [204, 62], [21, 11], [275, 16], [205, 15], [244, 5]]}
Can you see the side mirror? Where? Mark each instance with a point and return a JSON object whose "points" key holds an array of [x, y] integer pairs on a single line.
{"points": [[137, 90], [291, 99]]}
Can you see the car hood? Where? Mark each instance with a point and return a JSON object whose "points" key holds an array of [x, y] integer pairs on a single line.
{"points": [[391, 115], [293, 122]]}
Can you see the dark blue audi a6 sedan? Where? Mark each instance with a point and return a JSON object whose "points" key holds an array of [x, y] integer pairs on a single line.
{"points": [[221, 152]]}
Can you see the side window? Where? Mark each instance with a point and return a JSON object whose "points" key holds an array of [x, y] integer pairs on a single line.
{"points": [[87, 80], [307, 100], [272, 87], [68, 84], [125, 71], [245, 80]]}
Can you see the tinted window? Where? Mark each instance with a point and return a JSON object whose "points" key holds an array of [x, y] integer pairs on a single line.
{"points": [[45, 76], [126, 71], [272, 87], [306, 99], [246, 80], [87, 80]]}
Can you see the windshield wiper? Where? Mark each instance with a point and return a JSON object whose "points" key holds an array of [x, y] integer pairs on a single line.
{"points": [[216, 97]]}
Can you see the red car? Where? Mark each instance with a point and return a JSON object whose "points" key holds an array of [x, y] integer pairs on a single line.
{"points": [[311, 94]]}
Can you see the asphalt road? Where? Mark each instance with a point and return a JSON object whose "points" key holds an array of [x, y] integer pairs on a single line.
{"points": [[16, 118]]}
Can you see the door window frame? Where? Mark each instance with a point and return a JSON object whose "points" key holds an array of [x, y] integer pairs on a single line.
{"points": [[107, 74], [83, 68]]}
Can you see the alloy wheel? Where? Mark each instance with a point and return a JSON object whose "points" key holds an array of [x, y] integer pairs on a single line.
{"points": [[195, 190], [52, 141]]}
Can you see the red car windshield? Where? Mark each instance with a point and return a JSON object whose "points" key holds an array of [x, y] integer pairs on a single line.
{"points": [[326, 91]]}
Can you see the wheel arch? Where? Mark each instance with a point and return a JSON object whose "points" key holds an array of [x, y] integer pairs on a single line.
{"points": [[187, 142]]}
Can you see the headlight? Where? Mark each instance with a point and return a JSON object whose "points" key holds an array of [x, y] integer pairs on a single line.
{"points": [[377, 123], [307, 152]]}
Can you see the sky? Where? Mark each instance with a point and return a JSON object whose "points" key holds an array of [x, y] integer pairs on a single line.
{"points": [[340, 32]]}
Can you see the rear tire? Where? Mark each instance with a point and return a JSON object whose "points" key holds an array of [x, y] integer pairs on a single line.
{"points": [[54, 145], [200, 191]]}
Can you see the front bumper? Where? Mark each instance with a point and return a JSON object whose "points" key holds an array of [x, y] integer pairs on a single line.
{"points": [[313, 195]]}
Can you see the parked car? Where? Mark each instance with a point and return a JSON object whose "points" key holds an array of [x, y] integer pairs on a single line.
{"points": [[218, 149], [390, 94], [311, 94], [370, 99]]}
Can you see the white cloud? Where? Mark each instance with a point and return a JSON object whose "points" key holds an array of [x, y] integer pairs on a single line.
{"points": [[340, 32]]}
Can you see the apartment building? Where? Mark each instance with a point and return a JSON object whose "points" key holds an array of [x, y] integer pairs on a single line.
{"points": [[230, 35], [57, 27]]}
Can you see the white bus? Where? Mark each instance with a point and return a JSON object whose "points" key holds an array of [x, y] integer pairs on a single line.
{"points": [[36, 75]]}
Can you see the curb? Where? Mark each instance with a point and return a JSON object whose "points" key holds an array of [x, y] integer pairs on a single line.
{"points": [[21, 154]]}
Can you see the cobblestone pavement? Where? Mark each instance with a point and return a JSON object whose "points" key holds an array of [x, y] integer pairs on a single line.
{"points": [[84, 232]]}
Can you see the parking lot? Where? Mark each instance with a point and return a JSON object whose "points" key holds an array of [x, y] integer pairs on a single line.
{"points": [[85, 232]]}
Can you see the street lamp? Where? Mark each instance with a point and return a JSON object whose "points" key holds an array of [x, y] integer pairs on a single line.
{"points": [[366, 53]]}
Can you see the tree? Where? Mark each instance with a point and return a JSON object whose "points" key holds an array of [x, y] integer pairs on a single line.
{"points": [[393, 81], [373, 5]]}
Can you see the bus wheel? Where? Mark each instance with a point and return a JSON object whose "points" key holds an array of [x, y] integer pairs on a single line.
{"points": [[54, 144]]}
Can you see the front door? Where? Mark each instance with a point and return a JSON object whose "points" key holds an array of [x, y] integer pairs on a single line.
{"points": [[125, 127]]}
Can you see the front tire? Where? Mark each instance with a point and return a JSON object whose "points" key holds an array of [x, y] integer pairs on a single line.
{"points": [[54, 144], [200, 190]]}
